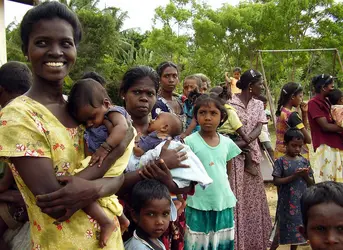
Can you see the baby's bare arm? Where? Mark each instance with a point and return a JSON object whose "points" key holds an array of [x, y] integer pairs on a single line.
{"points": [[117, 128], [243, 135]]}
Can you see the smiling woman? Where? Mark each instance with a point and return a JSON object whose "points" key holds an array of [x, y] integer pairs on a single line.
{"points": [[43, 142]]}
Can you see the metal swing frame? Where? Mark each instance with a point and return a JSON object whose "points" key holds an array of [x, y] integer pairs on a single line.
{"points": [[259, 61]]}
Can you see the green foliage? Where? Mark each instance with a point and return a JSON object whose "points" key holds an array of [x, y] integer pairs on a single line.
{"points": [[201, 39]]}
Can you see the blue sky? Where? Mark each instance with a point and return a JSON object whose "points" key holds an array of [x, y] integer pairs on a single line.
{"points": [[140, 12]]}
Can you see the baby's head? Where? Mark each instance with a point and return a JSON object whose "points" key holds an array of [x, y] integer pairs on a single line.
{"points": [[322, 213], [88, 102], [336, 97], [166, 123], [152, 207]]}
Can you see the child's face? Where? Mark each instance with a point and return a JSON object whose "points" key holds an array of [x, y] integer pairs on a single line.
{"points": [[293, 147], [90, 116], [159, 123], [169, 79], [154, 218], [325, 227], [236, 75], [188, 86], [204, 87], [208, 117], [297, 99]]}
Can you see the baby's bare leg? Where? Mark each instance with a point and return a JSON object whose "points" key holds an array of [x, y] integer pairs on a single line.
{"points": [[248, 165], [107, 225], [124, 222]]}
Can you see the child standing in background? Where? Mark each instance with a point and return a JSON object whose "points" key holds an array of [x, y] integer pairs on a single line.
{"points": [[292, 174], [232, 81], [209, 212]]}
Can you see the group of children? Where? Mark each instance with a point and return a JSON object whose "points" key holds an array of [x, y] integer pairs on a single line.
{"points": [[212, 126]]}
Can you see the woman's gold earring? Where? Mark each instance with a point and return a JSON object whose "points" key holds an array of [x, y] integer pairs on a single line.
{"points": [[123, 97], [250, 90]]}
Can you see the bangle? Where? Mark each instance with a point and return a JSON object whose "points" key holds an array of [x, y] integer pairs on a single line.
{"points": [[106, 146]]}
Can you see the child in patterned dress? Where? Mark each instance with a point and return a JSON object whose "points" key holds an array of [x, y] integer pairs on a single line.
{"points": [[292, 174]]}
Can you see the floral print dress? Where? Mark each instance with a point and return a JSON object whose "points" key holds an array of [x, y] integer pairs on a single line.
{"points": [[29, 129], [288, 214]]}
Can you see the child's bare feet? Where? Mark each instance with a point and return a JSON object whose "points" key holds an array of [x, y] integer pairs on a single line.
{"points": [[124, 223], [248, 166], [106, 230]]}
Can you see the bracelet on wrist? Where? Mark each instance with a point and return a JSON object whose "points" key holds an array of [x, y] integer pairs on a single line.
{"points": [[106, 146]]}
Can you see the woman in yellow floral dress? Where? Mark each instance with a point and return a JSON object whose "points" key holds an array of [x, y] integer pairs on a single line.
{"points": [[44, 143]]}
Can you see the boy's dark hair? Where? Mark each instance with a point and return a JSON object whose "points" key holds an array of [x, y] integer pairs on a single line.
{"points": [[250, 76], [162, 66], [205, 100], [48, 11], [86, 92], [95, 76], [334, 96], [15, 77], [324, 192], [288, 90], [147, 190], [237, 69], [262, 98], [220, 92], [292, 133], [196, 78], [321, 81], [136, 73]]}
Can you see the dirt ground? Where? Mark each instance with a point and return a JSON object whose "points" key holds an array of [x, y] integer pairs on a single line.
{"points": [[272, 201]]}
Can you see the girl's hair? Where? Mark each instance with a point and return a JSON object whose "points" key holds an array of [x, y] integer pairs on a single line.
{"points": [[206, 100], [48, 11], [321, 81], [334, 96], [136, 73], [147, 190], [86, 92], [324, 192], [287, 91], [196, 78], [15, 77], [237, 69], [95, 76], [250, 76], [293, 133], [162, 66], [220, 92]]}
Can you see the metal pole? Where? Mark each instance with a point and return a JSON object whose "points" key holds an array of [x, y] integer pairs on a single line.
{"points": [[269, 97], [339, 59], [296, 50]]}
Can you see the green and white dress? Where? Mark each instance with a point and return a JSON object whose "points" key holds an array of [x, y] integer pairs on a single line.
{"points": [[209, 212]]}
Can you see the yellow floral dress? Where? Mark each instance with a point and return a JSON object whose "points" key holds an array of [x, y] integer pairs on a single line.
{"points": [[29, 129]]}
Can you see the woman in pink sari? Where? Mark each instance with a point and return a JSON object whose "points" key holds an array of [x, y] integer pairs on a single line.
{"points": [[252, 218]]}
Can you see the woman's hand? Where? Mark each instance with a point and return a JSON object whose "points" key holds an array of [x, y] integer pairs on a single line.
{"points": [[76, 194], [157, 170], [173, 157]]}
